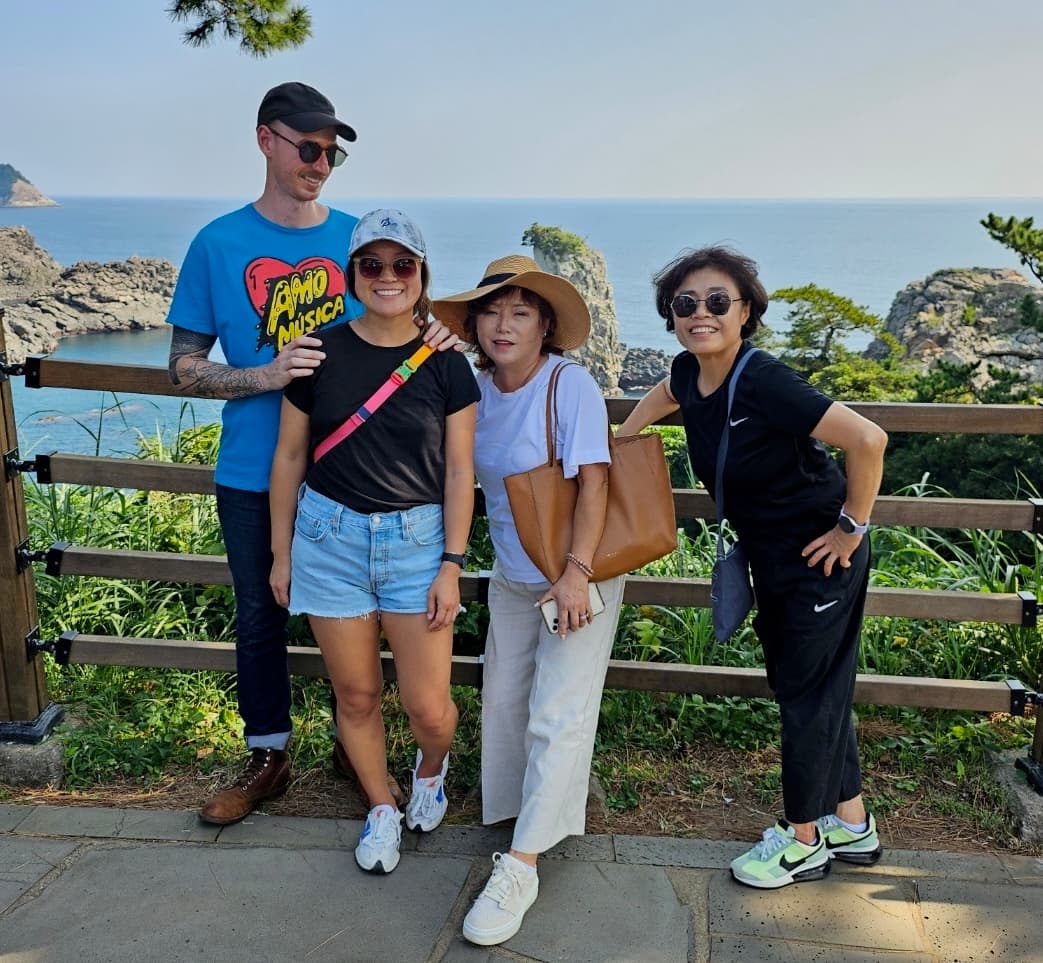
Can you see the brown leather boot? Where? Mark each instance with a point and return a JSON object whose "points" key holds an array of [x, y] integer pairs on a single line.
{"points": [[342, 767], [265, 776]]}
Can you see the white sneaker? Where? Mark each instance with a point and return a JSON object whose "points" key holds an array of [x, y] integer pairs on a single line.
{"points": [[498, 912], [428, 803], [377, 849]]}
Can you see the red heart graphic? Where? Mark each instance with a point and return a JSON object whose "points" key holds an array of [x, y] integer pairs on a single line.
{"points": [[262, 271]]}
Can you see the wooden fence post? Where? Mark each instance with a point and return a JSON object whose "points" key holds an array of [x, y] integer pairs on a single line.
{"points": [[26, 714]]}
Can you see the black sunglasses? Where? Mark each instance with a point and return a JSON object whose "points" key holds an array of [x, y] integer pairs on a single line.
{"points": [[718, 303], [372, 267], [310, 152]]}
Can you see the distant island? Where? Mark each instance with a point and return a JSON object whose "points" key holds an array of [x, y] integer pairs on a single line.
{"points": [[16, 191]]}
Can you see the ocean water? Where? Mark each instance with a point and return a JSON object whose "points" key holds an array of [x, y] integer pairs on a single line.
{"points": [[865, 250]]}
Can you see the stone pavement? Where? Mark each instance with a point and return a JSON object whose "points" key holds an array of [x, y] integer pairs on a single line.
{"points": [[146, 885]]}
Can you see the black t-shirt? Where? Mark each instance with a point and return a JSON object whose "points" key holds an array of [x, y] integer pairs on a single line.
{"points": [[781, 487], [395, 460]]}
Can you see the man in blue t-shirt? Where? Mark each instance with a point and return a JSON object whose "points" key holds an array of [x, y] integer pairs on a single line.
{"points": [[263, 281]]}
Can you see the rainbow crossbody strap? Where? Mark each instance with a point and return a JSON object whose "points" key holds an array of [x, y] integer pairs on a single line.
{"points": [[398, 377]]}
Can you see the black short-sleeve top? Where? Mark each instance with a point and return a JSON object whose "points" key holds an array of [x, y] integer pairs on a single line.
{"points": [[782, 487], [395, 460]]}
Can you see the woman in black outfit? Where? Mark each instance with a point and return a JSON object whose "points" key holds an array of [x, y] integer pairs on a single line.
{"points": [[803, 524]]}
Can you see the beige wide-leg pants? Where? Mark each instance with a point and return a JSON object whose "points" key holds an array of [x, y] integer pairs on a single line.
{"points": [[541, 696]]}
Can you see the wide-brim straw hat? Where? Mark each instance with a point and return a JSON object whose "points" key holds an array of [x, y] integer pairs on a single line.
{"points": [[517, 270]]}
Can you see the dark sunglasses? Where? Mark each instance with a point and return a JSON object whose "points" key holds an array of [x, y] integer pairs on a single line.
{"points": [[372, 267], [309, 151], [718, 303]]}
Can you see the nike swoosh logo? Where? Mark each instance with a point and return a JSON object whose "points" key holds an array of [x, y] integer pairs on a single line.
{"points": [[828, 605], [738, 421], [788, 866]]}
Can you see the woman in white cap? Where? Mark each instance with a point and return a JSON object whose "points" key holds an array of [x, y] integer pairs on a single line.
{"points": [[382, 436], [541, 690]]}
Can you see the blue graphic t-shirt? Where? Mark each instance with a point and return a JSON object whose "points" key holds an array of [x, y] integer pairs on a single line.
{"points": [[256, 286]]}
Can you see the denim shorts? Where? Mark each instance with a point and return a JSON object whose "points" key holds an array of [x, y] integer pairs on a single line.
{"points": [[345, 564]]}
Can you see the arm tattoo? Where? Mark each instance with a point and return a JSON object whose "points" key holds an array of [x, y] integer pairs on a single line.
{"points": [[192, 373]]}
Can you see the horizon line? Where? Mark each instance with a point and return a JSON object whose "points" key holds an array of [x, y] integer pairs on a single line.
{"points": [[591, 197]]}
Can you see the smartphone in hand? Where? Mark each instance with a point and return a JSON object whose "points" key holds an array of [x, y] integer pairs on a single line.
{"points": [[550, 607]]}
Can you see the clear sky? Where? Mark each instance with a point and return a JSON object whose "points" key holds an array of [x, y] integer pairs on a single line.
{"points": [[647, 98]]}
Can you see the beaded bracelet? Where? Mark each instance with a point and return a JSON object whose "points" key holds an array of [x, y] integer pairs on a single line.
{"points": [[580, 564]]}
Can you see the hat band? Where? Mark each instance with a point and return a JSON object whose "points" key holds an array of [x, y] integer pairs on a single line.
{"points": [[495, 279]]}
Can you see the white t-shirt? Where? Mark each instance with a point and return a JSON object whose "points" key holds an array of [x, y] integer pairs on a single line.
{"points": [[511, 437]]}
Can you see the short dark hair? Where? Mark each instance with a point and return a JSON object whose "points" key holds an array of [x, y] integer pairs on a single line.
{"points": [[422, 309], [483, 362], [741, 269]]}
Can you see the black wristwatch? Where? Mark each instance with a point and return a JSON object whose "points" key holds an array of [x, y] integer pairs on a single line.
{"points": [[847, 524], [460, 560]]}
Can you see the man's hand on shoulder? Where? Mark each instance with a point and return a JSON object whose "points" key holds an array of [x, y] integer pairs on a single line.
{"points": [[439, 337], [298, 359], [193, 373]]}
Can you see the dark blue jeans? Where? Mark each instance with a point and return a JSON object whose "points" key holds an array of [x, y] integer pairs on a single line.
{"points": [[263, 682]]}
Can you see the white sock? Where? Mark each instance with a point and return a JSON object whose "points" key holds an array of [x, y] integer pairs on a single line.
{"points": [[517, 862], [854, 827]]}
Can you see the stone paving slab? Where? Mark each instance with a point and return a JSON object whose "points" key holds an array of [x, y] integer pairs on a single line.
{"points": [[663, 851], [591, 848], [1027, 870], [879, 914], [987, 923], [460, 951], [157, 902], [727, 950], [259, 830], [11, 816], [23, 862], [122, 892], [925, 863], [101, 823], [465, 840], [594, 912]]}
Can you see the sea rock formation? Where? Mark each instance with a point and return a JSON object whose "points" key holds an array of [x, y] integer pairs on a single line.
{"points": [[962, 315], [25, 267], [44, 303], [16, 191], [644, 368], [570, 256]]}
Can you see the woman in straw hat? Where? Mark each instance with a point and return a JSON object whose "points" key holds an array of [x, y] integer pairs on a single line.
{"points": [[542, 686], [382, 436]]}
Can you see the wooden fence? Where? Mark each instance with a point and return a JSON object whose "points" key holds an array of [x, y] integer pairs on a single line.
{"points": [[23, 697]]}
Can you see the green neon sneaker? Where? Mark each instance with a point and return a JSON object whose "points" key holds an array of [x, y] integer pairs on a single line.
{"points": [[780, 859], [864, 849]]}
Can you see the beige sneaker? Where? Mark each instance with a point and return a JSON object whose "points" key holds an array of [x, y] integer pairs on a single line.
{"points": [[498, 912]]}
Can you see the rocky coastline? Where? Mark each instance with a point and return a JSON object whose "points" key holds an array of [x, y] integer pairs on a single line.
{"points": [[968, 315], [44, 302], [959, 315]]}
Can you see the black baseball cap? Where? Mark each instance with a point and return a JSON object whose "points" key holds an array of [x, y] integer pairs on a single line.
{"points": [[303, 108]]}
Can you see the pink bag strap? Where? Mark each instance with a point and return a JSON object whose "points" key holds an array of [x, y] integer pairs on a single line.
{"points": [[398, 377]]}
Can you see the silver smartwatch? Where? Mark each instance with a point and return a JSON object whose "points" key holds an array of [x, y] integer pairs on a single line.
{"points": [[847, 524]]}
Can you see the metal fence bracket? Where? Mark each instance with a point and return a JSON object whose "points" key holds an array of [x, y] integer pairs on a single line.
{"points": [[24, 556], [1020, 697], [1030, 607], [60, 648], [9, 370], [12, 466], [1037, 515]]}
